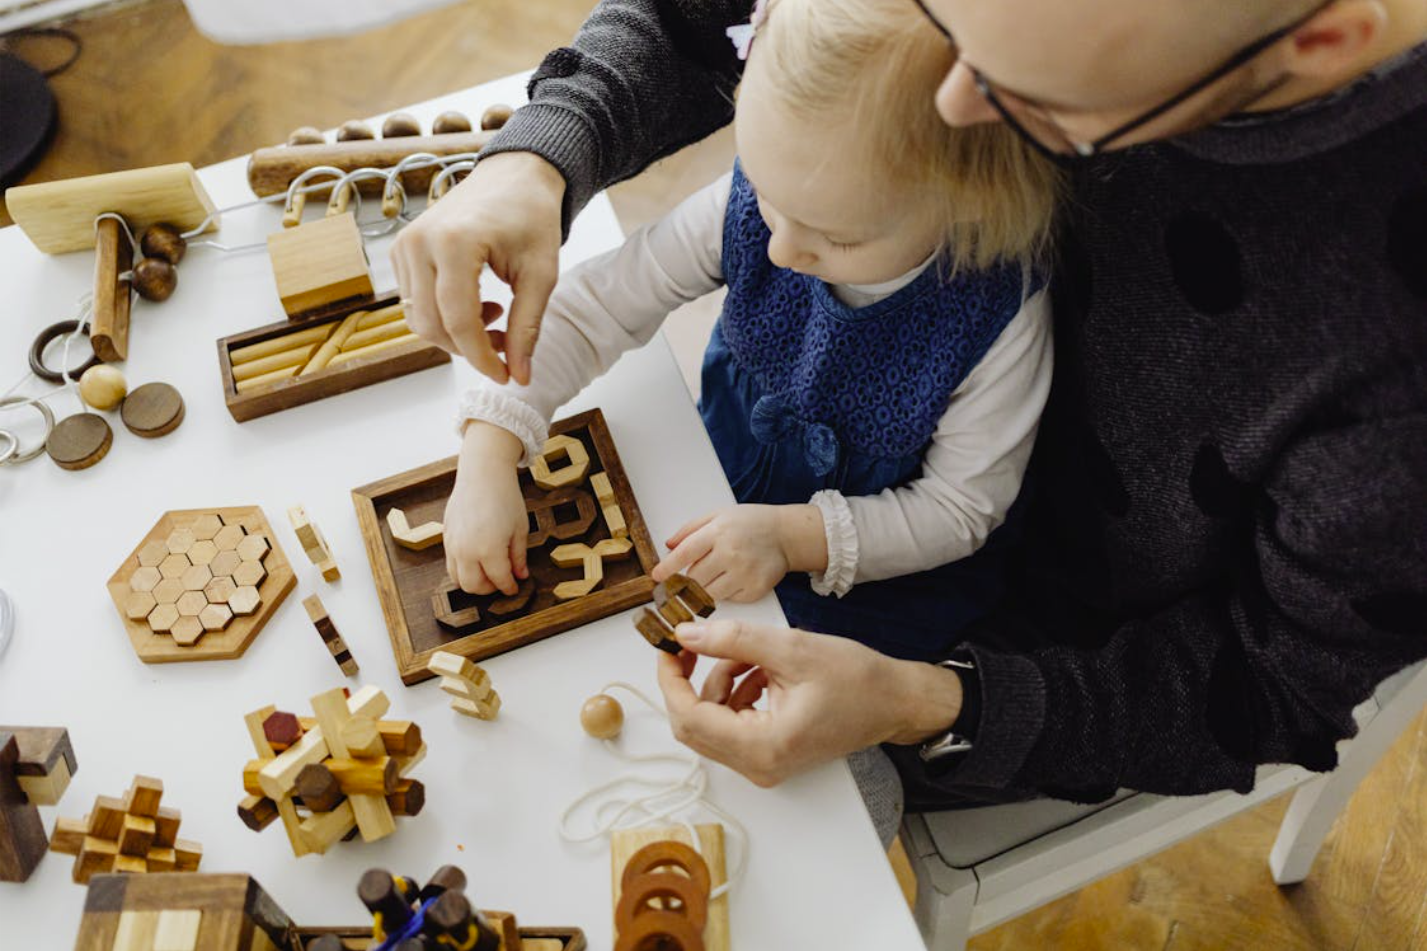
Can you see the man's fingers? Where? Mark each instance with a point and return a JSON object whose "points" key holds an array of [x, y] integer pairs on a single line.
{"points": [[421, 313], [749, 690], [718, 685], [458, 300], [722, 588], [531, 289], [758, 645]]}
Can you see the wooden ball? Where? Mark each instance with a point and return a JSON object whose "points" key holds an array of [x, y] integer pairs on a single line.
{"points": [[602, 717], [496, 116], [451, 121], [103, 387], [399, 125], [354, 130], [163, 241], [155, 279]]}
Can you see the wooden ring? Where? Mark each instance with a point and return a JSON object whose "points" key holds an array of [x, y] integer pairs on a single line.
{"points": [[635, 896], [657, 855], [660, 931], [42, 342], [19, 457]]}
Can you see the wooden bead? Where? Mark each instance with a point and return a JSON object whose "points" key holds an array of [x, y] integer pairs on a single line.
{"points": [[353, 130], [399, 125], [307, 135], [155, 279], [602, 717], [496, 116], [163, 241], [103, 387], [450, 122]]}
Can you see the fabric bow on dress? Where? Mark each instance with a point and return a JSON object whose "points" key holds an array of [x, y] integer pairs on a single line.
{"points": [[775, 421]]}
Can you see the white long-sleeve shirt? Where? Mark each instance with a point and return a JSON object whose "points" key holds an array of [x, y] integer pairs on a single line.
{"points": [[972, 469]]}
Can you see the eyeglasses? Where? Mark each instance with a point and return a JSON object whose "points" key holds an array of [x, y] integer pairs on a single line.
{"points": [[1033, 124]]}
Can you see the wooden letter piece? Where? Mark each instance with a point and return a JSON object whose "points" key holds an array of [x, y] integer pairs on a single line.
{"points": [[314, 543], [469, 684], [419, 538], [609, 505], [547, 523], [678, 599], [321, 620], [592, 560], [577, 463]]}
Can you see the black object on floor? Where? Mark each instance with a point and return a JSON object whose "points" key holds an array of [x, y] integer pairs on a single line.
{"points": [[28, 118]]}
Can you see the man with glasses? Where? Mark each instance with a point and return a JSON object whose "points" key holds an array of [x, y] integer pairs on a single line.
{"points": [[1228, 546]]}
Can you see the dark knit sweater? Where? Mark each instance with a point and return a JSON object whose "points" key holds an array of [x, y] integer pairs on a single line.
{"points": [[1227, 549]]}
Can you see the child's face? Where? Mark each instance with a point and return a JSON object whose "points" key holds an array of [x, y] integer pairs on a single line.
{"points": [[834, 215]]}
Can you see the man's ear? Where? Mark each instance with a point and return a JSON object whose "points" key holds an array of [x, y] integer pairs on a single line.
{"points": [[1336, 41]]}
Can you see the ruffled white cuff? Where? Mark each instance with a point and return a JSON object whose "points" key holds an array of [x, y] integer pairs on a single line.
{"points": [[841, 534], [509, 413]]}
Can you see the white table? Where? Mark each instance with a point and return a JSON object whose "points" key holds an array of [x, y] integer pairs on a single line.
{"points": [[816, 877]]}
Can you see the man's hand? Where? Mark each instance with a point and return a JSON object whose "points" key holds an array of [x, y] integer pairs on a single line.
{"points": [[505, 214], [740, 553], [827, 697]]}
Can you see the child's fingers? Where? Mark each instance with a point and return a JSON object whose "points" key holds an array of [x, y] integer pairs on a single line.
{"points": [[685, 556], [688, 529], [497, 568], [518, 562], [472, 579]]}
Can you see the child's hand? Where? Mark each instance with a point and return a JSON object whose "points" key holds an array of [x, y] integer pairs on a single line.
{"points": [[740, 553], [486, 525]]}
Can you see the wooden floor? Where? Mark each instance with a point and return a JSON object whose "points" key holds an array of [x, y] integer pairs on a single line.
{"points": [[148, 89]]}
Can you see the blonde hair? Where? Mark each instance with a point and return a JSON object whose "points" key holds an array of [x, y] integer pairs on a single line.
{"points": [[875, 66]]}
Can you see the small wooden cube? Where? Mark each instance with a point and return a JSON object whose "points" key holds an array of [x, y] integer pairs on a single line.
{"points": [[320, 263]]}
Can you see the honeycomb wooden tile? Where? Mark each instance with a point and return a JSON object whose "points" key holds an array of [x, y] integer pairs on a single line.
{"points": [[343, 770], [209, 609], [134, 834]]}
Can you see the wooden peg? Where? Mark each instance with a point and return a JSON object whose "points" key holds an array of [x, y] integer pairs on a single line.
{"points": [[314, 543], [449, 122], [306, 135], [330, 635], [400, 124], [109, 327], [353, 130], [496, 116]]}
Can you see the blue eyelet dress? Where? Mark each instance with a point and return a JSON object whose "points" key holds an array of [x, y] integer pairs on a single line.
{"points": [[802, 393]]}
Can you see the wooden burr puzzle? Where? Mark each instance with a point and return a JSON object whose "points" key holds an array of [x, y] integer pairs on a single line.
{"points": [[133, 835], [35, 768], [201, 585], [334, 776], [584, 563]]}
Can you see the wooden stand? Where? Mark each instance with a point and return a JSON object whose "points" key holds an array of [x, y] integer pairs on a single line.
{"points": [[272, 170], [406, 579], [624, 843], [109, 331]]}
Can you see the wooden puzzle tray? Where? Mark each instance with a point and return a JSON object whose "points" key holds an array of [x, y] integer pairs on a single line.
{"points": [[406, 580]]}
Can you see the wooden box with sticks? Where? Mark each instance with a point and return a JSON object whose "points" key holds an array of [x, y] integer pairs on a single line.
{"points": [[290, 363], [589, 552]]}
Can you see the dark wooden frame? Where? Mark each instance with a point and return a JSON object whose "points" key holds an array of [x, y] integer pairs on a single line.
{"points": [[332, 381], [499, 638]]}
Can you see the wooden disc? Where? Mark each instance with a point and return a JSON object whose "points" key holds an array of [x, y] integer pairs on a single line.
{"points": [[152, 410], [79, 441]]}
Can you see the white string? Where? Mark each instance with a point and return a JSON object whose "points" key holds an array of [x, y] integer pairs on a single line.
{"points": [[7, 621], [662, 805]]}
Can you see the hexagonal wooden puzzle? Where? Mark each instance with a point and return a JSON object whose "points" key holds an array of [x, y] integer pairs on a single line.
{"points": [[201, 585]]}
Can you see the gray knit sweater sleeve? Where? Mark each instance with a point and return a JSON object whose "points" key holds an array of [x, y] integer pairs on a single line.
{"points": [[643, 79]]}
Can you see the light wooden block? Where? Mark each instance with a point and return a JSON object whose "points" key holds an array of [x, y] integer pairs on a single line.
{"points": [[59, 216], [571, 472], [320, 264], [419, 538], [136, 931], [177, 930]]}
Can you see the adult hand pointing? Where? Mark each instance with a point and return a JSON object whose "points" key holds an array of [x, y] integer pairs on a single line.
{"points": [[505, 214], [827, 697]]}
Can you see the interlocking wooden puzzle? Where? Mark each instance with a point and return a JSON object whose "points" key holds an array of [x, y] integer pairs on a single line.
{"points": [[132, 835], [36, 764], [201, 585], [330, 777], [589, 552]]}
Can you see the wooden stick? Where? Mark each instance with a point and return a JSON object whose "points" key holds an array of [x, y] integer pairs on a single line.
{"points": [[333, 344], [383, 316], [373, 349], [295, 357], [377, 334], [109, 331], [272, 170], [267, 379], [256, 351]]}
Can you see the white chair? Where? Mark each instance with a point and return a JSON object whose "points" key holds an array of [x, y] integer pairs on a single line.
{"points": [[977, 868]]}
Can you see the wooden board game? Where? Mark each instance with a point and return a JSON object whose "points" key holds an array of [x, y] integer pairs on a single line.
{"points": [[201, 585], [407, 579]]}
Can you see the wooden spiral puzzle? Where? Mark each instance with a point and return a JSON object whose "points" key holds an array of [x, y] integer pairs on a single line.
{"points": [[201, 585], [589, 552]]}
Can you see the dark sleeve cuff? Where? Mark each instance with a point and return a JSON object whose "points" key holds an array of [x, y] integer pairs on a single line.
{"points": [[561, 137]]}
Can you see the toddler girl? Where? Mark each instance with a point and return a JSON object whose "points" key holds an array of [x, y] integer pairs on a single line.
{"points": [[875, 380]]}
